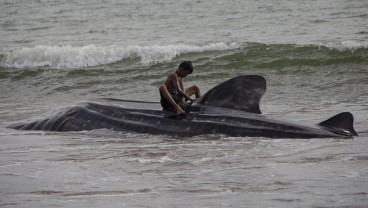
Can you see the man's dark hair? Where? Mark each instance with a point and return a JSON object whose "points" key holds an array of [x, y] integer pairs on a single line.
{"points": [[186, 65]]}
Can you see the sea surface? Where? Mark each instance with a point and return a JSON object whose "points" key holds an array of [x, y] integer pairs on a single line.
{"points": [[54, 53]]}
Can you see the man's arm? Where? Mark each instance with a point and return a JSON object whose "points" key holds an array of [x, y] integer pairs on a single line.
{"points": [[178, 85]]}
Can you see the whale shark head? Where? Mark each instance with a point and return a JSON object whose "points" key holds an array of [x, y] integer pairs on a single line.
{"points": [[239, 93]]}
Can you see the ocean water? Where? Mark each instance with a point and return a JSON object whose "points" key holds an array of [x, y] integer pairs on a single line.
{"points": [[53, 53]]}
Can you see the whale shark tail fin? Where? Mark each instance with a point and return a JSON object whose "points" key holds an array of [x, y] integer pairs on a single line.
{"points": [[341, 124], [240, 93]]}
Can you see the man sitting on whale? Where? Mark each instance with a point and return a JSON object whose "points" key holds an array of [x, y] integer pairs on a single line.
{"points": [[172, 91]]}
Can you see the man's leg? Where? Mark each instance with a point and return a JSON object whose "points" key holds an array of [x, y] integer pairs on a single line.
{"points": [[193, 90], [168, 97]]}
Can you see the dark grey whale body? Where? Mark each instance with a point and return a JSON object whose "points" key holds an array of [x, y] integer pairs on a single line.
{"points": [[231, 108]]}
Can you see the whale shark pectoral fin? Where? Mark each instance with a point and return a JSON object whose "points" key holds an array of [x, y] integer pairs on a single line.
{"points": [[341, 124], [240, 93]]}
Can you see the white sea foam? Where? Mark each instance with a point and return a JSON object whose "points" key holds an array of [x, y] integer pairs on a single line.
{"points": [[87, 56], [72, 57], [346, 45]]}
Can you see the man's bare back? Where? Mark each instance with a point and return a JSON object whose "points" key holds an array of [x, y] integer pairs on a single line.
{"points": [[169, 83]]}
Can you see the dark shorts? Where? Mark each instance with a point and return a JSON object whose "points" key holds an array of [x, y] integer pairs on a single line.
{"points": [[166, 105]]}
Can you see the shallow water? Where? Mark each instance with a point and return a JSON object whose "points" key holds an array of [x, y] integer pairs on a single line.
{"points": [[107, 169], [313, 55]]}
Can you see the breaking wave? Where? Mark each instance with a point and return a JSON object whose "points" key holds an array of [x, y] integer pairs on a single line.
{"points": [[91, 55], [346, 45], [74, 57]]}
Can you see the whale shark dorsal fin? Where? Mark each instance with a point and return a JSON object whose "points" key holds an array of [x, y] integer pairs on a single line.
{"points": [[341, 124], [240, 93]]}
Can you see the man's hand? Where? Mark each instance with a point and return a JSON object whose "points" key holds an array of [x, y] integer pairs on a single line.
{"points": [[183, 105]]}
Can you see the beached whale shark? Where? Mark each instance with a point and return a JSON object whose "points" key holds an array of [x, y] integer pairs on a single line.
{"points": [[230, 108]]}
